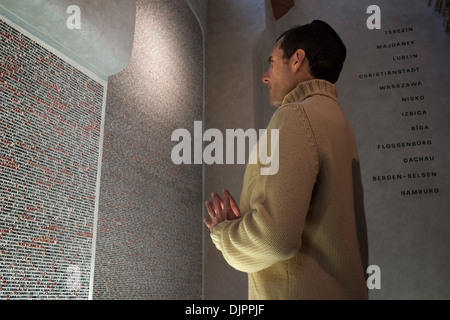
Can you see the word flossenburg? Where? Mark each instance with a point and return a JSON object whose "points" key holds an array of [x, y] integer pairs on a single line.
{"points": [[213, 152]]}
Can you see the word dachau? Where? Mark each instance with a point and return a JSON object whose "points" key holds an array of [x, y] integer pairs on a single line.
{"points": [[213, 152]]}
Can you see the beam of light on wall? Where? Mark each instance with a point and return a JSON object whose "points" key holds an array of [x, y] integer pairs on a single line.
{"points": [[166, 72]]}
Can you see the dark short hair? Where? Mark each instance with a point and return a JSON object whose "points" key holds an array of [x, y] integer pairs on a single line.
{"points": [[323, 47]]}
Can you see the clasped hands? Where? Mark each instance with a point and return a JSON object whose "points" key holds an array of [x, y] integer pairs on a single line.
{"points": [[221, 210]]}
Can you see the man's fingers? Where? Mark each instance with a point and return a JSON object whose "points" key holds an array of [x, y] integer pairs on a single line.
{"points": [[234, 206], [230, 204], [210, 208], [208, 222], [236, 210], [226, 199], [218, 203], [220, 210], [212, 213]]}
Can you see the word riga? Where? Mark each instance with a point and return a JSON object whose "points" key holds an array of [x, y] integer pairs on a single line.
{"points": [[213, 152], [73, 21]]}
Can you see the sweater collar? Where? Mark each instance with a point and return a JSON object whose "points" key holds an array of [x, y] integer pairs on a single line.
{"points": [[310, 88]]}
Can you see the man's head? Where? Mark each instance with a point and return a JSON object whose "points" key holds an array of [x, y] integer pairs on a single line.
{"points": [[311, 51]]}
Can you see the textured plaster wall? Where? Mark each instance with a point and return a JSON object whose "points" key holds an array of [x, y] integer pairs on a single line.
{"points": [[150, 230]]}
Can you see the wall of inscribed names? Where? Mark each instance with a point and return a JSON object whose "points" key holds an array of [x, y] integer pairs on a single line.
{"points": [[50, 144]]}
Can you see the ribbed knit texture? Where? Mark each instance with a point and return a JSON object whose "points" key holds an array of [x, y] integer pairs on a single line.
{"points": [[297, 236]]}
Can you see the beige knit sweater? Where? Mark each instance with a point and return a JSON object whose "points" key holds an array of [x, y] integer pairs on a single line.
{"points": [[297, 237]]}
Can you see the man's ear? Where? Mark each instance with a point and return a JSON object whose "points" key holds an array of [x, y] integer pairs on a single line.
{"points": [[298, 59]]}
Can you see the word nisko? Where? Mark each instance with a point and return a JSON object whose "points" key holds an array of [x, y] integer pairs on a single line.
{"points": [[213, 152]]}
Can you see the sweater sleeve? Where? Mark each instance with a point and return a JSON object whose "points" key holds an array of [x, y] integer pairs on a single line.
{"points": [[270, 229]]}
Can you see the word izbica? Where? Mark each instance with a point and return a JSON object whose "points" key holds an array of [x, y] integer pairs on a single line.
{"points": [[213, 152]]}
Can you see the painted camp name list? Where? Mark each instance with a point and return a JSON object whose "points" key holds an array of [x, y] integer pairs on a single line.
{"points": [[402, 80]]}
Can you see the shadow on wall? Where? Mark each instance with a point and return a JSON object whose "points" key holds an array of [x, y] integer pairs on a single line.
{"points": [[281, 7], [360, 215], [442, 7]]}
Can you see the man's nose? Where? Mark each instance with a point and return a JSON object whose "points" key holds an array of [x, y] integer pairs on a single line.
{"points": [[266, 77]]}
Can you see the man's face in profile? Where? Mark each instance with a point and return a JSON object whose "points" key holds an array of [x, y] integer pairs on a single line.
{"points": [[279, 76]]}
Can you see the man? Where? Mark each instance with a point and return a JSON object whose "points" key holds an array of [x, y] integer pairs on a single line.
{"points": [[296, 232]]}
